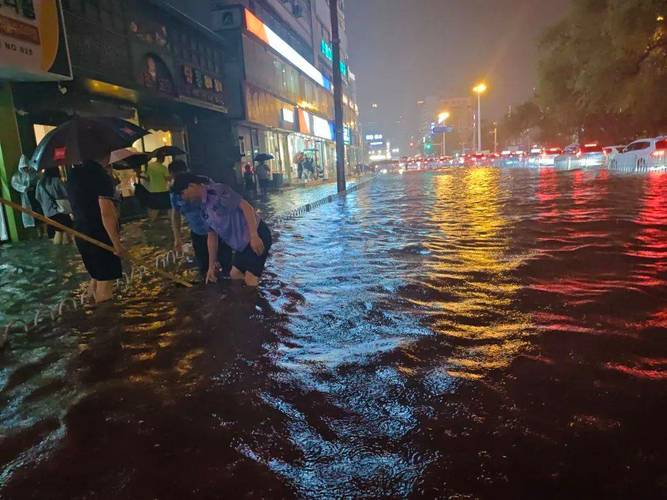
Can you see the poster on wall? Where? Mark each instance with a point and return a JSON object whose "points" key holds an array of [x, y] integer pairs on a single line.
{"points": [[33, 42]]}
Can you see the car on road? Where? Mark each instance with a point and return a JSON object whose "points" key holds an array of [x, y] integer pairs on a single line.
{"points": [[534, 154], [580, 156], [642, 154], [611, 152], [548, 157], [510, 158]]}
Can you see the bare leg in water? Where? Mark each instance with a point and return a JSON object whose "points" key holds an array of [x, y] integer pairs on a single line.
{"points": [[99, 291]]}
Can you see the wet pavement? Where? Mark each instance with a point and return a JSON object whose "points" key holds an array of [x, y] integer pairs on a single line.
{"points": [[473, 333]]}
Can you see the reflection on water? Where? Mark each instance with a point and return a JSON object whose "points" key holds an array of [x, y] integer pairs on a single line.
{"points": [[474, 333]]}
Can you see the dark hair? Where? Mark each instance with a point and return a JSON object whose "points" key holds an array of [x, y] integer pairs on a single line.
{"points": [[182, 181], [177, 167]]}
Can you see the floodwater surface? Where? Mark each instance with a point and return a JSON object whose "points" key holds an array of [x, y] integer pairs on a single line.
{"points": [[472, 333]]}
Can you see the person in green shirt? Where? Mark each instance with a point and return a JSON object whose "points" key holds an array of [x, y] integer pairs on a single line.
{"points": [[158, 178]]}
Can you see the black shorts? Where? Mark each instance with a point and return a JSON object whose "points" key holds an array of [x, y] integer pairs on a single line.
{"points": [[159, 201], [248, 260], [102, 265], [64, 219], [154, 201]]}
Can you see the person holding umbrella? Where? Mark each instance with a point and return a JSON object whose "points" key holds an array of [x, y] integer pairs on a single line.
{"points": [[264, 171], [86, 143]]}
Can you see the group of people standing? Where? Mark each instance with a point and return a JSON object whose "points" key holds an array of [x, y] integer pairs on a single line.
{"points": [[228, 236], [307, 168], [252, 176], [46, 195]]}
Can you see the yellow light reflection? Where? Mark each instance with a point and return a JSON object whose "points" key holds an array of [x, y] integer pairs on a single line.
{"points": [[469, 265]]}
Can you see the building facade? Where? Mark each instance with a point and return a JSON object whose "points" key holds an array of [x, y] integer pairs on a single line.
{"points": [[279, 73], [142, 61], [461, 119]]}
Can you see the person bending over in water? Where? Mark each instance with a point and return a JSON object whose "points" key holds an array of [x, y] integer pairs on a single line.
{"points": [[231, 219], [198, 227]]}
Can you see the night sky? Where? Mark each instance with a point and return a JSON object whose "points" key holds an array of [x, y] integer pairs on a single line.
{"points": [[405, 50]]}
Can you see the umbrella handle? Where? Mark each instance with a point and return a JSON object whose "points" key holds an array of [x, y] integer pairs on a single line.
{"points": [[90, 240]]}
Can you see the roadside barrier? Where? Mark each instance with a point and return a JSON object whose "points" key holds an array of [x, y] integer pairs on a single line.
{"points": [[44, 313]]}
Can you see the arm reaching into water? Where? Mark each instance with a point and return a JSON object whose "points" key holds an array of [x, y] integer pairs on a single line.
{"points": [[176, 230], [212, 243], [256, 242]]}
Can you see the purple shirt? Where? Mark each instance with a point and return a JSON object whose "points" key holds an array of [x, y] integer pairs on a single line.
{"points": [[222, 212]]}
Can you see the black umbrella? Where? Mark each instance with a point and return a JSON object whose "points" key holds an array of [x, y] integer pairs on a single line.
{"points": [[128, 159], [82, 139], [167, 151], [264, 157]]}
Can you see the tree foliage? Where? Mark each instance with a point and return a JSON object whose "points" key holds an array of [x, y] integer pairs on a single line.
{"points": [[602, 75], [603, 70]]}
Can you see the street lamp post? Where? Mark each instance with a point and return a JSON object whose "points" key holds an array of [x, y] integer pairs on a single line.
{"points": [[442, 118], [479, 90]]}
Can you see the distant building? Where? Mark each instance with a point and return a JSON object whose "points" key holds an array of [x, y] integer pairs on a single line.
{"points": [[461, 120], [278, 77]]}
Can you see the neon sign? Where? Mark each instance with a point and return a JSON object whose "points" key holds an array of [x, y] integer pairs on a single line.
{"points": [[327, 51], [269, 37]]}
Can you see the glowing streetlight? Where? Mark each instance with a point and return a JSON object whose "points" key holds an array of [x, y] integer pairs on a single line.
{"points": [[442, 118], [479, 89]]}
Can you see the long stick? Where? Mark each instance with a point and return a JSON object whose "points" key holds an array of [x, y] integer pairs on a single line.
{"points": [[90, 240]]}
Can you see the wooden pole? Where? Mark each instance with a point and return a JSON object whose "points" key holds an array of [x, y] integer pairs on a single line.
{"points": [[338, 97], [92, 241]]}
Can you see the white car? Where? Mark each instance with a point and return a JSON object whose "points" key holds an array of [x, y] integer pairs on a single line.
{"points": [[576, 156], [643, 154], [548, 157], [611, 152]]}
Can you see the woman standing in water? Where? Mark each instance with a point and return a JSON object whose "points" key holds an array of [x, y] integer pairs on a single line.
{"points": [[91, 192]]}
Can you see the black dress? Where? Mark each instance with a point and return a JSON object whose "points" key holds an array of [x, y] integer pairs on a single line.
{"points": [[86, 184]]}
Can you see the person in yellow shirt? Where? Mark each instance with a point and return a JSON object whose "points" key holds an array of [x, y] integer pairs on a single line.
{"points": [[158, 178]]}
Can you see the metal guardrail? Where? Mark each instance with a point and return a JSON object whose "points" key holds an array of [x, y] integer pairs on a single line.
{"points": [[72, 303]]}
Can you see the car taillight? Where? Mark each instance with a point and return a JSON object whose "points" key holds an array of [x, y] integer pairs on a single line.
{"points": [[578, 154], [658, 154]]}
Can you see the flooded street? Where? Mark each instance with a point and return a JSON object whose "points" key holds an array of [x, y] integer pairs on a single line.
{"points": [[472, 333]]}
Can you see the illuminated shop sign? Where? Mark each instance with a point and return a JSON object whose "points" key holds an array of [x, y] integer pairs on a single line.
{"points": [[327, 51], [314, 125], [323, 128], [288, 115], [304, 122], [347, 135], [374, 137], [33, 42], [264, 33]]}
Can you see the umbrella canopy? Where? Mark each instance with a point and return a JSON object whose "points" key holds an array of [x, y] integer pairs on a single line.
{"points": [[264, 157], [128, 159], [82, 139], [167, 151]]}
